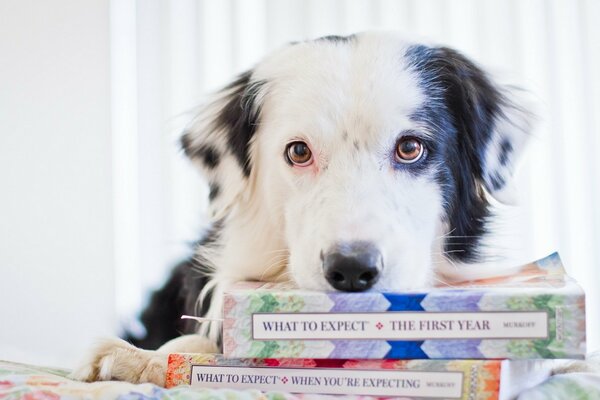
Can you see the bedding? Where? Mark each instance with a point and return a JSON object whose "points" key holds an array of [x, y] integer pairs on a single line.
{"points": [[28, 382]]}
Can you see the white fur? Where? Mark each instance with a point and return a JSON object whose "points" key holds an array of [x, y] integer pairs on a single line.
{"points": [[350, 194], [349, 103]]}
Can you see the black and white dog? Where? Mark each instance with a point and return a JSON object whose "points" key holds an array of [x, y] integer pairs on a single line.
{"points": [[343, 163]]}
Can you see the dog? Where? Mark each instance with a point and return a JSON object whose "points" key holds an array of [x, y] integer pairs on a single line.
{"points": [[341, 163]]}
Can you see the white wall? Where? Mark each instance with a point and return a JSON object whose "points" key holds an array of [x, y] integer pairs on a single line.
{"points": [[56, 258]]}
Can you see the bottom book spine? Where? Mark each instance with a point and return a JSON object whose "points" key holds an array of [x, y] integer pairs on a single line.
{"points": [[419, 379]]}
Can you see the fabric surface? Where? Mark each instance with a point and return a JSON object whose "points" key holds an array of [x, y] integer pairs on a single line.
{"points": [[27, 382], [575, 386], [20, 381]]}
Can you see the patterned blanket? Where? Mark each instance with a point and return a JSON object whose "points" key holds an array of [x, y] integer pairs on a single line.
{"points": [[20, 381]]}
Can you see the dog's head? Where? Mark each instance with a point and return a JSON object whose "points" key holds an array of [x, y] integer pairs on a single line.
{"points": [[370, 157]]}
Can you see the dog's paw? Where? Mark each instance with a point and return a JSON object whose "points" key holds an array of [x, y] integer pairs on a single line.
{"points": [[115, 359]]}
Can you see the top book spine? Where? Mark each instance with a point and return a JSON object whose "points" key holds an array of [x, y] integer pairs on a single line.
{"points": [[536, 312]]}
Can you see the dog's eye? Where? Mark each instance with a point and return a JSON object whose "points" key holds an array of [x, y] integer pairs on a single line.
{"points": [[409, 150], [298, 153]]}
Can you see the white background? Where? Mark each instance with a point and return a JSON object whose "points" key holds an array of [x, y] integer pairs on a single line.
{"points": [[96, 201]]}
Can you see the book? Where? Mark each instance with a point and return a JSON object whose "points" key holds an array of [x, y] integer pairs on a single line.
{"points": [[422, 379], [535, 312]]}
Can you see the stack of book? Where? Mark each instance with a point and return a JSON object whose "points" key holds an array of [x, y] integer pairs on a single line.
{"points": [[485, 339]]}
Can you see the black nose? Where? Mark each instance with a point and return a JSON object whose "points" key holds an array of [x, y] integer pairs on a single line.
{"points": [[352, 266]]}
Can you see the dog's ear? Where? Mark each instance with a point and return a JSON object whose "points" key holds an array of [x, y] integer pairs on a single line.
{"points": [[220, 138], [488, 129], [492, 126]]}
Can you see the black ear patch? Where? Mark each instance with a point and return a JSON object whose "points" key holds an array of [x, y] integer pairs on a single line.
{"points": [[462, 107], [239, 117], [231, 127], [209, 155], [219, 140]]}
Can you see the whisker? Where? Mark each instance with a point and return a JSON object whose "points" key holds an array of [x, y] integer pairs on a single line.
{"points": [[445, 252], [286, 274], [277, 258], [201, 319], [278, 263], [277, 251], [444, 282], [446, 234], [458, 237], [452, 263]]}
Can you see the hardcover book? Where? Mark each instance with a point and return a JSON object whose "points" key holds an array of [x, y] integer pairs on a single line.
{"points": [[422, 379], [535, 312]]}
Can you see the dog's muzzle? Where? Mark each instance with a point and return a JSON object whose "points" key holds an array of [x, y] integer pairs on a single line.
{"points": [[352, 266]]}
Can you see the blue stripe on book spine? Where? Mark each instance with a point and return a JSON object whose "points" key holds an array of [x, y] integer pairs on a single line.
{"points": [[402, 350], [405, 302]]}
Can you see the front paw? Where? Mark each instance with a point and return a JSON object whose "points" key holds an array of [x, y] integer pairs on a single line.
{"points": [[115, 359]]}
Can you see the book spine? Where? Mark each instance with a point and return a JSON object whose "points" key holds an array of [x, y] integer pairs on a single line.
{"points": [[425, 379], [438, 325]]}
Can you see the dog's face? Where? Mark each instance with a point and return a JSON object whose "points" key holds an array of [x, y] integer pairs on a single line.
{"points": [[372, 157]]}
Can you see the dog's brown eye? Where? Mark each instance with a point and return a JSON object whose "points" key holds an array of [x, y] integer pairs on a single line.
{"points": [[298, 153], [409, 150]]}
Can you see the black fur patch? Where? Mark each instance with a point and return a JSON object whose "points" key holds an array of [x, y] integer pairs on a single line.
{"points": [[497, 181], [208, 154], [214, 191], [336, 38], [505, 150], [239, 117], [461, 107], [162, 315], [186, 143]]}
